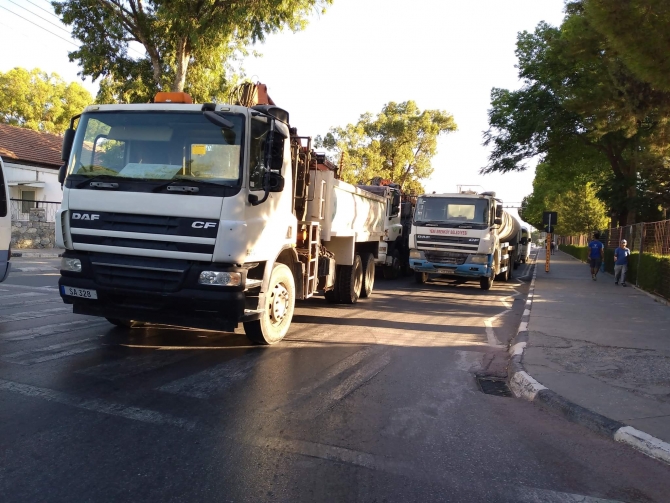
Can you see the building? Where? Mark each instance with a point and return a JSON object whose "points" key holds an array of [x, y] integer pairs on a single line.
{"points": [[32, 160]]}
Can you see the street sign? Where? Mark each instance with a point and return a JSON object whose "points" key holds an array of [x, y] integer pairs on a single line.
{"points": [[549, 218]]}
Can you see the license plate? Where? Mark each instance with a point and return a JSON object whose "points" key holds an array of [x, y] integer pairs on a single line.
{"points": [[446, 271], [79, 292]]}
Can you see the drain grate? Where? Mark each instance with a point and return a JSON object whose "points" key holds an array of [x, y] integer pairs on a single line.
{"points": [[493, 386]]}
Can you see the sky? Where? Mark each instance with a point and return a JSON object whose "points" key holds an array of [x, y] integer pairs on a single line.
{"points": [[359, 55]]}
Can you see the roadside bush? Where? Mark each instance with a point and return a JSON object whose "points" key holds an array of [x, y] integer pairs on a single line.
{"points": [[579, 252], [651, 272]]}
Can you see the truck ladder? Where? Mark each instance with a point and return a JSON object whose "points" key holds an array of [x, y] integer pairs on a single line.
{"points": [[311, 257]]}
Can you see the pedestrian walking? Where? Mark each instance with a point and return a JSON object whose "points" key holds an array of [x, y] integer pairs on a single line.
{"points": [[596, 253], [621, 255], [553, 248]]}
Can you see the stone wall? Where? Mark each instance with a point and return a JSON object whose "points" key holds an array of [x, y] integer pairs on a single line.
{"points": [[34, 233]]}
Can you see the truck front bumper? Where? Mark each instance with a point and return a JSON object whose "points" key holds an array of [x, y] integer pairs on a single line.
{"points": [[463, 270], [179, 301]]}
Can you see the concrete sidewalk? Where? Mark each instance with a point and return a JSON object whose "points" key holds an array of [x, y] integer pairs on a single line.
{"points": [[601, 346]]}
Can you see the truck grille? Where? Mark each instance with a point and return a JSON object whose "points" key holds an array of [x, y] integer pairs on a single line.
{"points": [[442, 257], [175, 235], [154, 275]]}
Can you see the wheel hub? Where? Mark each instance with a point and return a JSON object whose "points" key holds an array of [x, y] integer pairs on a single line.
{"points": [[279, 303]]}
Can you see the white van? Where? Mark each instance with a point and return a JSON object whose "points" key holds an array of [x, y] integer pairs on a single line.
{"points": [[524, 244], [5, 225]]}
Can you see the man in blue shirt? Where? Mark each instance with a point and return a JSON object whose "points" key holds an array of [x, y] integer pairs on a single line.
{"points": [[621, 263], [596, 252]]}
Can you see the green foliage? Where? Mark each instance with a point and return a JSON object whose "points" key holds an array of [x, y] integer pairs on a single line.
{"points": [[397, 144], [639, 31], [579, 252], [580, 109], [188, 45], [40, 101], [568, 193]]}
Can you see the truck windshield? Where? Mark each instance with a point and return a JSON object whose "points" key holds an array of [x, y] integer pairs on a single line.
{"points": [[452, 210], [157, 146]]}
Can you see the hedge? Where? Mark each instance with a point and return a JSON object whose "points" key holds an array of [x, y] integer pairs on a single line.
{"points": [[653, 274]]}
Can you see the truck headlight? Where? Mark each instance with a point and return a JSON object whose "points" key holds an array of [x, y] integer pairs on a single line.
{"points": [[70, 264], [479, 259], [220, 278], [418, 254]]}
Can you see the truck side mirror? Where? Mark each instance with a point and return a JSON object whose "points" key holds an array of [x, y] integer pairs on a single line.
{"points": [[274, 154], [275, 182], [68, 140], [61, 174]]}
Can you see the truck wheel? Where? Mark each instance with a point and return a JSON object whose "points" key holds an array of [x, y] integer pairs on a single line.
{"points": [[332, 296], [486, 283], [421, 277], [350, 279], [368, 260], [393, 271], [278, 309]]}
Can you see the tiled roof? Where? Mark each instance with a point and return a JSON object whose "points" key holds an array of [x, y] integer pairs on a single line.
{"points": [[30, 147]]}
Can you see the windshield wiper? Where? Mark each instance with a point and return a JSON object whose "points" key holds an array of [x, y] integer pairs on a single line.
{"points": [[187, 188], [92, 182]]}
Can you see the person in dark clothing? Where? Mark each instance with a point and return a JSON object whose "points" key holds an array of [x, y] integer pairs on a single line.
{"points": [[596, 252], [621, 255]]}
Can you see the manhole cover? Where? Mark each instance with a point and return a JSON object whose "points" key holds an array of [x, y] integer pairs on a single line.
{"points": [[493, 386]]}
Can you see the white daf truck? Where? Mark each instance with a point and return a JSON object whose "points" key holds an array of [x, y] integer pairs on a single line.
{"points": [[5, 226], [463, 236], [207, 216]]}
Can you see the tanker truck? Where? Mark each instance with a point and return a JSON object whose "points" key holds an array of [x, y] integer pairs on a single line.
{"points": [[207, 216], [465, 236]]}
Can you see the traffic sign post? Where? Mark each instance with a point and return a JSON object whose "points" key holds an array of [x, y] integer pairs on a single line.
{"points": [[549, 219]]}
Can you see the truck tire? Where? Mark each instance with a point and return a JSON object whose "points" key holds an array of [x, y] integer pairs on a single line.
{"points": [[486, 283], [332, 296], [350, 281], [420, 277], [368, 260], [278, 309], [393, 271]]}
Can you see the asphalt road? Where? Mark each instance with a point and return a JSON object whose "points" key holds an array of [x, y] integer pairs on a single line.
{"points": [[372, 402]]}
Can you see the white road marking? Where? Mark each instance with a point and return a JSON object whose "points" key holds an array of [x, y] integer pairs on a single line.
{"points": [[96, 405], [526, 312], [29, 315], [220, 377], [24, 294], [31, 302], [333, 453], [337, 369], [54, 352], [46, 330], [523, 326], [135, 364], [490, 333]]}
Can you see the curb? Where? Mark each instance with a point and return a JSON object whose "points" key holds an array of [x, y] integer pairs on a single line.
{"points": [[524, 386]]}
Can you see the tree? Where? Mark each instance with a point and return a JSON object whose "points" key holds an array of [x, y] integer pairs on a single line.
{"points": [[180, 37], [639, 30], [578, 95], [40, 101], [397, 144], [578, 206]]}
